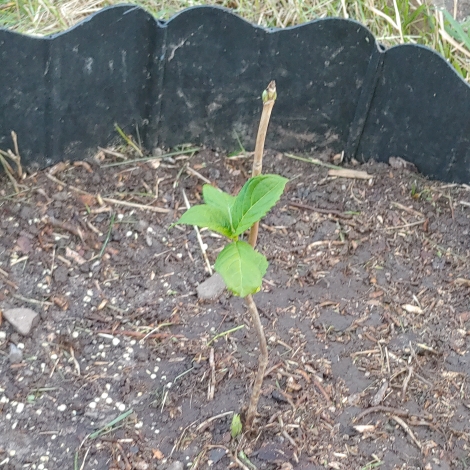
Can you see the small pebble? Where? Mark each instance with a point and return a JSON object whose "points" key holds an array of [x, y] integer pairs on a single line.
{"points": [[3, 335], [120, 406], [15, 355], [23, 320], [116, 341], [176, 466], [20, 407], [61, 407]]}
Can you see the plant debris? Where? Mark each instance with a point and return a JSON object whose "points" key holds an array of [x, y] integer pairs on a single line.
{"points": [[365, 306]]}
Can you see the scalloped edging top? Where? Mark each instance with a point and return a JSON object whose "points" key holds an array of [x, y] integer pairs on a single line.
{"points": [[197, 77]]}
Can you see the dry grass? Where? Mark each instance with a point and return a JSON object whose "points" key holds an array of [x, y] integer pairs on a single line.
{"points": [[392, 21]]}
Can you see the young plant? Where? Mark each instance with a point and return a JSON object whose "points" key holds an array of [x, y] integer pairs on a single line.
{"points": [[242, 267]]}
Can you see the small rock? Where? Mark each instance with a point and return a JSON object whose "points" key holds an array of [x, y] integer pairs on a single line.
{"points": [[279, 397], [26, 212], [16, 355], [141, 225], [21, 319], [176, 466], [24, 244], [141, 465], [216, 454], [60, 196], [211, 288], [61, 274]]}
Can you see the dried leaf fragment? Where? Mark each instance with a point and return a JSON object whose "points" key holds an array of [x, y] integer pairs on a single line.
{"points": [[412, 308], [363, 428], [292, 385], [73, 255], [61, 302], [379, 396], [157, 454], [87, 199]]}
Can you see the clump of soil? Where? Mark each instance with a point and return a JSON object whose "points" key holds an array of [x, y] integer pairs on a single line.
{"points": [[365, 304]]}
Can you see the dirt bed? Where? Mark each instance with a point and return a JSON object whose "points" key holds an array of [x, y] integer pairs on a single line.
{"points": [[365, 305]]}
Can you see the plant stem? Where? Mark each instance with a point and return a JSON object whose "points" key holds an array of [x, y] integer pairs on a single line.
{"points": [[262, 362], [269, 97]]}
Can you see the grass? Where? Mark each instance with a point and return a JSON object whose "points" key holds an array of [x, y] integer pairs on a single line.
{"points": [[392, 21]]}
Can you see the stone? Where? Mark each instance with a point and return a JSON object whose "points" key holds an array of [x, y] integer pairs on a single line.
{"points": [[15, 355], [23, 320], [141, 225], [176, 466], [211, 288], [217, 454]]}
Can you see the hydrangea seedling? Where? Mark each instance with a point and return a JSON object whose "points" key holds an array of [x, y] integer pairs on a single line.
{"points": [[240, 265]]}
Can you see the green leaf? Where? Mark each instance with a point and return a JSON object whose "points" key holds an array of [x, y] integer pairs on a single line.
{"points": [[242, 268], [256, 198], [207, 216], [216, 198], [236, 426]]}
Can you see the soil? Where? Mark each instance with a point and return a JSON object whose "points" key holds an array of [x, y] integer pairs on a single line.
{"points": [[365, 305]]}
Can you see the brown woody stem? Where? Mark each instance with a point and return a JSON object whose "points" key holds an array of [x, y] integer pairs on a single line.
{"points": [[269, 97], [262, 362]]}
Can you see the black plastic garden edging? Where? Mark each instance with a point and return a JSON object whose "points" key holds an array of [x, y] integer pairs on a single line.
{"points": [[198, 78]]}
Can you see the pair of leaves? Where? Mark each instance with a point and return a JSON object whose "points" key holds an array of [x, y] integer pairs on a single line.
{"points": [[241, 267], [231, 216]]}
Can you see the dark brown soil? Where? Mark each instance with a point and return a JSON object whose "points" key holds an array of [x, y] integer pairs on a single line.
{"points": [[365, 304]]}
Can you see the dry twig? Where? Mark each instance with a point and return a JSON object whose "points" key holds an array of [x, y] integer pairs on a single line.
{"points": [[198, 236], [408, 431]]}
